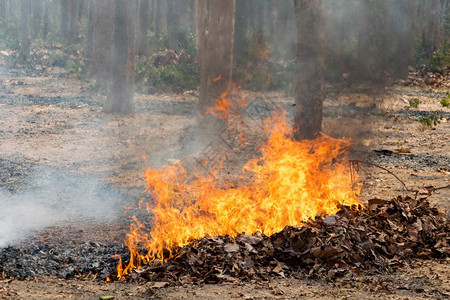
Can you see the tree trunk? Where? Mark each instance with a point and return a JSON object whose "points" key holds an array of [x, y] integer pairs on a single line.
{"points": [[215, 49], [432, 34], [46, 26], [37, 18], [72, 33], [173, 24], [240, 38], [64, 17], [2, 9], [120, 96], [158, 17], [24, 29], [405, 37], [144, 23], [309, 93], [102, 35], [90, 34]]}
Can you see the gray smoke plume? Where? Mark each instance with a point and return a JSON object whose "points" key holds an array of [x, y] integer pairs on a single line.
{"points": [[53, 198]]}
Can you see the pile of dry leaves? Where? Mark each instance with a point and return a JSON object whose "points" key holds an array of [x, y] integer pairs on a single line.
{"points": [[384, 235], [424, 77]]}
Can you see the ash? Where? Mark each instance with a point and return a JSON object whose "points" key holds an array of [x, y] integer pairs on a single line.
{"points": [[87, 259]]}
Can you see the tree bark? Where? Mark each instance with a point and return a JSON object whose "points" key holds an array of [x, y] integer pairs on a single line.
{"points": [[240, 38], [3, 9], [432, 30], [46, 23], [102, 27], [215, 49], [24, 29], [120, 96], [173, 24], [73, 7], [90, 35], [309, 93], [64, 17], [37, 18], [144, 23], [405, 37], [158, 17]]}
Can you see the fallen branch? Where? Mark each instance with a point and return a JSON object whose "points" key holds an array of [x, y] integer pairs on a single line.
{"points": [[429, 189], [384, 169]]}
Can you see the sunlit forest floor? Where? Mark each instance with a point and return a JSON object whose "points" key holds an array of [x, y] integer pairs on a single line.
{"points": [[49, 122]]}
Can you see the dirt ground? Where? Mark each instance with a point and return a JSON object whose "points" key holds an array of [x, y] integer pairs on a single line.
{"points": [[52, 122]]}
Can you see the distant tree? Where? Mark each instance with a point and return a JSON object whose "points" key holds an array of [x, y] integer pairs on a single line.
{"points": [[74, 11], [37, 18], [25, 40], [3, 9], [215, 30], [102, 25], [374, 42], [144, 24], [46, 20], [64, 17], [90, 34], [310, 56], [173, 23], [158, 18], [120, 96], [431, 26], [241, 28], [404, 35]]}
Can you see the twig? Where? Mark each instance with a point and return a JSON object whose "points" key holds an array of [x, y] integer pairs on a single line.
{"points": [[382, 168], [404, 185], [440, 188]]}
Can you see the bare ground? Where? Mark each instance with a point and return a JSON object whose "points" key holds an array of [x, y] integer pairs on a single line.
{"points": [[51, 122]]}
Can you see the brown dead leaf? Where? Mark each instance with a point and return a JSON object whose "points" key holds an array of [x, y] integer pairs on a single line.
{"points": [[231, 248]]}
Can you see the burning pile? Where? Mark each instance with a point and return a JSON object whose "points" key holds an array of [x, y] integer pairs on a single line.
{"points": [[289, 184], [382, 236]]}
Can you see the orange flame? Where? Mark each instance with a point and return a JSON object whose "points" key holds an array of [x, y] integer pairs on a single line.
{"points": [[290, 183]]}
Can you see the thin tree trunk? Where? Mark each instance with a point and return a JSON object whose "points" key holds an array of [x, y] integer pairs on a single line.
{"points": [[309, 94], [120, 96], [432, 34], [216, 24], [173, 24], [45, 26], [72, 33], [158, 18], [405, 37], [3, 9], [90, 35], [241, 43], [24, 29], [37, 18], [102, 26], [144, 23], [64, 17]]}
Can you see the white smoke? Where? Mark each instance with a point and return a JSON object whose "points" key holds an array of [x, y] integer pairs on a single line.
{"points": [[54, 198]]}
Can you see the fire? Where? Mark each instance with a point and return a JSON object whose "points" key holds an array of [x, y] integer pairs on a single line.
{"points": [[291, 182]]}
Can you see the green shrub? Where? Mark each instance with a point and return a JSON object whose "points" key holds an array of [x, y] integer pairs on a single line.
{"points": [[430, 121], [176, 77], [445, 102], [414, 103]]}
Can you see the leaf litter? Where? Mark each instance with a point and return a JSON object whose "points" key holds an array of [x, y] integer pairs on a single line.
{"points": [[381, 237]]}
